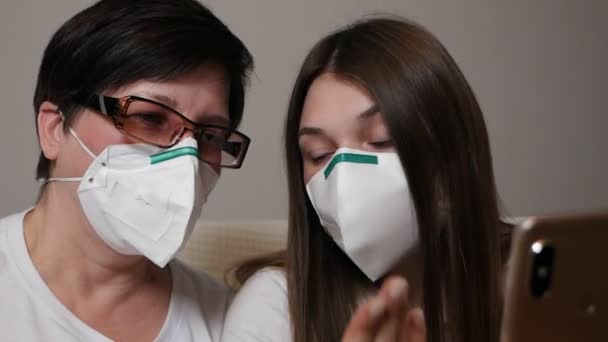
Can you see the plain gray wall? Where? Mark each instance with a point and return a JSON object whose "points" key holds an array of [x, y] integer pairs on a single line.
{"points": [[539, 69]]}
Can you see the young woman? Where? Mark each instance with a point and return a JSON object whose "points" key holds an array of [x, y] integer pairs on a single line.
{"points": [[390, 172]]}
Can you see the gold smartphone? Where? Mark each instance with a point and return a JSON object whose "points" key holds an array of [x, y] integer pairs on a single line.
{"points": [[557, 280]]}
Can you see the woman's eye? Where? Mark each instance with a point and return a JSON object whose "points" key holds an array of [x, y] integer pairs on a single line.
{"points": [[217, 139], [320, 158], [382, 144], [150, 118]]}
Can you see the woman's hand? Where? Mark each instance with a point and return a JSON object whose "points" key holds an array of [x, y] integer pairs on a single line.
{"points": [[387, 317]]}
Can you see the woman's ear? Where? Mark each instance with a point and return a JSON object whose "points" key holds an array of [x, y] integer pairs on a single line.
{"points": [[50, 129]]}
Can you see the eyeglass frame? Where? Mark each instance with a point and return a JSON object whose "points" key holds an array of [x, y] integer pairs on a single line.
{"points": [[101, 103]]}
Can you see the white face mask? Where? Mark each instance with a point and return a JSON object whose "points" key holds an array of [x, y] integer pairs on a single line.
{"points": [[145, 200], [364, 203]]}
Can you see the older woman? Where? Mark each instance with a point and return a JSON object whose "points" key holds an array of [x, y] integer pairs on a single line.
{"points": [[136, 108]]}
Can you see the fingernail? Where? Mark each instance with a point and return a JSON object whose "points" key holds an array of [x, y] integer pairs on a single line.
{"points": [[376, 308], [418, 318], [397, 289]]}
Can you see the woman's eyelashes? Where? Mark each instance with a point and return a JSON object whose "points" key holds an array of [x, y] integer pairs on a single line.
{"points": [[315, 155], [318, 158], [381, 144]]}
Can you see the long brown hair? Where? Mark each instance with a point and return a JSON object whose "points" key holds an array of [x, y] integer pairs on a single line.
{"points": [[439, 133]]}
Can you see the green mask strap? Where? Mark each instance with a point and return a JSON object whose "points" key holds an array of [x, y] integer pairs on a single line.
{"points": [[349, 158], [172, 154]]}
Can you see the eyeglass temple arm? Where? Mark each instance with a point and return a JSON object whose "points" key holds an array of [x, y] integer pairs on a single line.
{"points": [[107, 105]]}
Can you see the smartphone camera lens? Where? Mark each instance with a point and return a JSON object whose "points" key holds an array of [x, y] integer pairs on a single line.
{"points": [[542, 268]]}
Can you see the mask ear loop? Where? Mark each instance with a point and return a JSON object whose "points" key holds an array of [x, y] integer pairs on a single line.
{"points": [[84, 147]]}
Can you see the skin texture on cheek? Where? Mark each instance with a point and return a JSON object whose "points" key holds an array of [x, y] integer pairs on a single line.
{"points": [[96, 132]]}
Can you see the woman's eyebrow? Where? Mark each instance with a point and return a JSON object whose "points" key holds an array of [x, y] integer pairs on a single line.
{"points": [[213, 119], [164, 99], [368, 113], [310, 131]]}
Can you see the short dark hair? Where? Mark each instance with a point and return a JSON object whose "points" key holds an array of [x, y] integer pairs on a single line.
{"points": [[113, 43]]}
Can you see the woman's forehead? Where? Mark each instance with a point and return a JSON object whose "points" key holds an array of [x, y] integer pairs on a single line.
{"points": [[333, 98]]}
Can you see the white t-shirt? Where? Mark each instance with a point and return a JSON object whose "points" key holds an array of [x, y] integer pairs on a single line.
{"points": [[260, 310], [30, 312]]}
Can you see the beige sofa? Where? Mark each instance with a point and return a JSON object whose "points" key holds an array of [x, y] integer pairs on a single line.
{"points": [[217, 246]]}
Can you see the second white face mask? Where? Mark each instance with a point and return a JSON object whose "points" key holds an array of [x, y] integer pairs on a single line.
{"points": [[363, 201], [144, 200]]}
